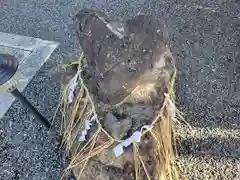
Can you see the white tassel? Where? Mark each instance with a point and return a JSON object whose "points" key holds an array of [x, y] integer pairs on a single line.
{"points": [[172, 107], [118, 150], [135, 137], [73, 85], [87, 126]]}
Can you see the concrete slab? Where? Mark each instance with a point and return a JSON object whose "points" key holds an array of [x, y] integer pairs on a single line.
{"points": [[31, 53]]}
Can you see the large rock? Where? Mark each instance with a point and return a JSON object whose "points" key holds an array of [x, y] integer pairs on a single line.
{"points": [[123, 55], [127, 62]]}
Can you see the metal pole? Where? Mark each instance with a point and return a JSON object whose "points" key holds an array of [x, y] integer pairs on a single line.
{"points": [[28, 105]]}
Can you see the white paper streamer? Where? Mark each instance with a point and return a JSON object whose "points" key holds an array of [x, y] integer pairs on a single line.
{"points": [[87, 126], [172, 107], [118, 150], [136, 137], [73, 85]]}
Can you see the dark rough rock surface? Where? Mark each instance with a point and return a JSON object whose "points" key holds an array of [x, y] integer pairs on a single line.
{"points": [[120, 55]]}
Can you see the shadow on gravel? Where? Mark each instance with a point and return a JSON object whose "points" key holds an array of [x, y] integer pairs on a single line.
{"points": [[216, 147]]}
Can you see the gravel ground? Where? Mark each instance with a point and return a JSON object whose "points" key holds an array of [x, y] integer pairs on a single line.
{"points": [[205, 39]]}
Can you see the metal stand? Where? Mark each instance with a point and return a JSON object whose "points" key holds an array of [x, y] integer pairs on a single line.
{"points": [[28, 105]]}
